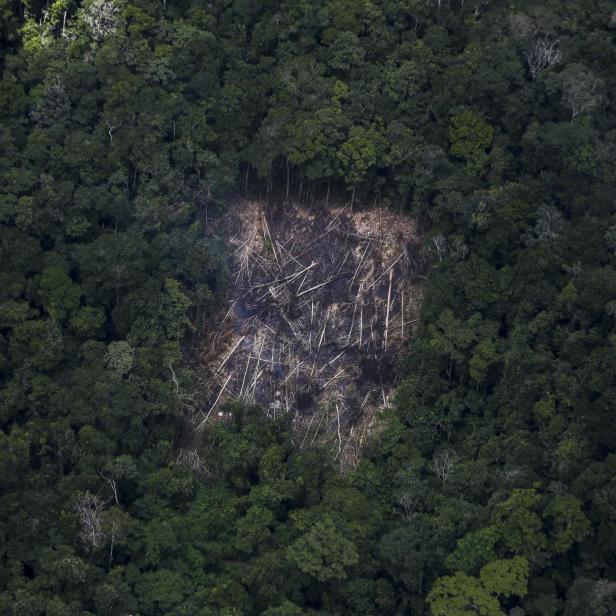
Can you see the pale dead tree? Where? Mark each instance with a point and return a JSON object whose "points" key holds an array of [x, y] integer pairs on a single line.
{"points": [[408, 505], [437, 3], [438, 245], [110, 131], [459, 249], [442, 464], [101, 16], [480, 7], [175, 379], [543, 53], [548, 226], [89, 508], [114, 528], [582, 90], [112, 484], [549, 223], [191, 459]]}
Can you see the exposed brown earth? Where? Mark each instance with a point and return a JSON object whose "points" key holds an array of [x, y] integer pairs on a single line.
{"points": [[320, 303]]}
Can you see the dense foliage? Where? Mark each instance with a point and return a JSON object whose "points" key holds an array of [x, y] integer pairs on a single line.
{"points": [[491, 487]]}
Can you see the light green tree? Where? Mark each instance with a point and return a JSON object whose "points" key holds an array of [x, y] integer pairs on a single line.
{"points": [[470, 136], [569, 523], [473, 550], [120, 357], [464, 595], [358, 153], [519, 523], [323, 552]]}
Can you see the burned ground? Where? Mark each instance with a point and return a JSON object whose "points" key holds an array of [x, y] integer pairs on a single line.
{"points": [[320, 302]]}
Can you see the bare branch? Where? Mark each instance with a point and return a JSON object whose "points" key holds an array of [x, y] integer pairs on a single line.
{"points": [[543, 53], [89, 508], [442, 464]]}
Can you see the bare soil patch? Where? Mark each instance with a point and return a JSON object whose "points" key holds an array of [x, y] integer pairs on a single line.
{"points": [[320, 302]]}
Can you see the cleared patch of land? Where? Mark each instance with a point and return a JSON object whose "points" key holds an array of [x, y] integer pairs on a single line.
{"points": [[320, 302]]}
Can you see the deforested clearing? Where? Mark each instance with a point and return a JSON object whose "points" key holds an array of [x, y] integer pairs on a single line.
{"points": [[320, 302]]}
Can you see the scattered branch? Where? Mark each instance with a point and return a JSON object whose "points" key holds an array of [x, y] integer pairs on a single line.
{"points": [[89, 508], [298, 333]]}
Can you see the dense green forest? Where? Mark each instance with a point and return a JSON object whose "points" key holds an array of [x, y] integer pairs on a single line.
{"points": [[490, 487]]}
